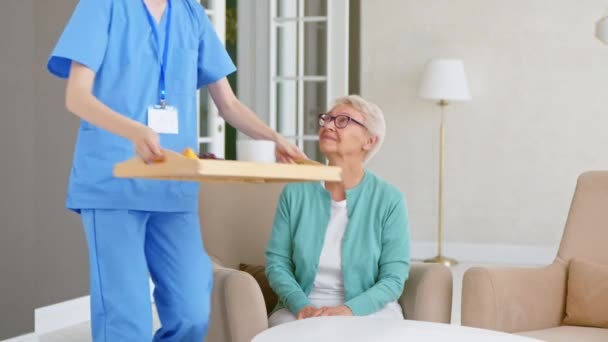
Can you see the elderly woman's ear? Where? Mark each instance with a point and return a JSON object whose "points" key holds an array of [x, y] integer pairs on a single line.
{"points": [[372, 140]]}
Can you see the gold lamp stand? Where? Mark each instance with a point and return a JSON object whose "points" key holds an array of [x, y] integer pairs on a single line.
{"points": [[440, 259]]}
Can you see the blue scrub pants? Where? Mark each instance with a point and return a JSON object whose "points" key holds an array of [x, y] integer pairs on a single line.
{"points": [[125, 247]]}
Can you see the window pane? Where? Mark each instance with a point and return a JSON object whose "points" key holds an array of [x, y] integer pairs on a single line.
{"points": [[206, 3], [315, 49], [311, 149], [286, 107], [312, 8], [315, 8], [205, 148], [204, 105], [287, 49], [286, 8], [315, 102]]}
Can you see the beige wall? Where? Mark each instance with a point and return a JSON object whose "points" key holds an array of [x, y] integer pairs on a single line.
{"points": [[538, 116]]}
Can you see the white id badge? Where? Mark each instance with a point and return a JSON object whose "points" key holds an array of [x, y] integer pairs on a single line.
{"points": [[163, 120]]}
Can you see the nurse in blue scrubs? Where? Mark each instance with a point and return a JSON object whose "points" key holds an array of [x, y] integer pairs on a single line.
{"points": [[133, 70]]}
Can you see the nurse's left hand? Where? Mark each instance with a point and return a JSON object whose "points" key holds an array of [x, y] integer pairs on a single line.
{"points": [[287, 152]]}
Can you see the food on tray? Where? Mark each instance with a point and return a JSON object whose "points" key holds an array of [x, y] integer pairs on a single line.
{"points": [[189, 153], [209, 156]]}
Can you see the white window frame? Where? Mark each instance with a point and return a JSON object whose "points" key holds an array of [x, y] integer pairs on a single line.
{"points": [[216, 126]]}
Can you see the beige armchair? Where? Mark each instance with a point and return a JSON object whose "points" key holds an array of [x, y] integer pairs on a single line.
{"points": [[236, 221], [532, 301]]}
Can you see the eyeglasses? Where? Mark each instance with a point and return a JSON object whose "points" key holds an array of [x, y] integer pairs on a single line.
{"points": [[341, 120]]}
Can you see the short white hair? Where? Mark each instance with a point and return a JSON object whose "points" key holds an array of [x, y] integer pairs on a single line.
{"points": [[374, 119]]}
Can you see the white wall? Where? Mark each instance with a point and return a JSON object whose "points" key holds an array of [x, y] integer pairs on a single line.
{"points": [[538, 117]]}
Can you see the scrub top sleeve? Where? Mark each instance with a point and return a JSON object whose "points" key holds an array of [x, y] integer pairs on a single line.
{"points": [[214, 63], [84, 39]]}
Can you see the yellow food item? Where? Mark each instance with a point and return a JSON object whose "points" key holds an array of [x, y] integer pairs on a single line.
{"points": [[189, 153]]}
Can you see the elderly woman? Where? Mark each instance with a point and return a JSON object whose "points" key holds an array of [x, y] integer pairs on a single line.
{"points": [[341, 248]]}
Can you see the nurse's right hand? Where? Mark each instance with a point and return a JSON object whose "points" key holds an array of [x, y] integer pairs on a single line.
{"points": [[147, 144]]}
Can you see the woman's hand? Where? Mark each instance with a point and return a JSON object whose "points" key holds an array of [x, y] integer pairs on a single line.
{"points": [[287, 152], [307, 311], [341, 310]]}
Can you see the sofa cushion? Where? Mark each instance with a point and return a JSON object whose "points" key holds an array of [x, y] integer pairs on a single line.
{"points": [[258, 272], [587, 296], [568, 334]]}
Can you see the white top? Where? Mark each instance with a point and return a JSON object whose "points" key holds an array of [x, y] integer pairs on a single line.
{"points": [[328, 287], [365, 329]]}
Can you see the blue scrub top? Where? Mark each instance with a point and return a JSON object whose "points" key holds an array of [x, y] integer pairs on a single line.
{"points": [[114, 38]]}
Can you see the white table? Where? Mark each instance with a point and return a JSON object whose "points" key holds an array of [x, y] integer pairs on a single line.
{"points": [[362, 329]]}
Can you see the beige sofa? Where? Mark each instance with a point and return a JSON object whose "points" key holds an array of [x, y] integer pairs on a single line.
{"points": [[532, 302], [236, 221]]}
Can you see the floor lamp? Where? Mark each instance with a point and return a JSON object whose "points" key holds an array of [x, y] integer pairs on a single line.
{"points": [[444, 80]]}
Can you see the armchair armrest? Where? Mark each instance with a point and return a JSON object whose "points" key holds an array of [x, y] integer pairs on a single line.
{"points": [[428, 293], [514, 299], [238, 312]]}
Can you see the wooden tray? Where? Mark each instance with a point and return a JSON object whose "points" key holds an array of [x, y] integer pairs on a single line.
{"points": [[178, 167]]}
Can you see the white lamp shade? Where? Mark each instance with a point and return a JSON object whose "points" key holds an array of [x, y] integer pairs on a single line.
{"points": [[601, 30], [444, 79]]}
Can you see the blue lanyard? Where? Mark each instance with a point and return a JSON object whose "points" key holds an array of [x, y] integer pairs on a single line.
{"points": [[163, 65]]}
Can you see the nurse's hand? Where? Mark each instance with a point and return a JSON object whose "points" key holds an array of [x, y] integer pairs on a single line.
{"points": [[287, 152], [147, 144]]}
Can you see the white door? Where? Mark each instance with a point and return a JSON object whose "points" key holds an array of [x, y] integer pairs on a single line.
{"points": [[293, 61], [308, 65], [211, 126]]}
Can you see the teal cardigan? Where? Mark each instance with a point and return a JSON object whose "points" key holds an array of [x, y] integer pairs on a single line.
{"points": [[375, 246]]}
